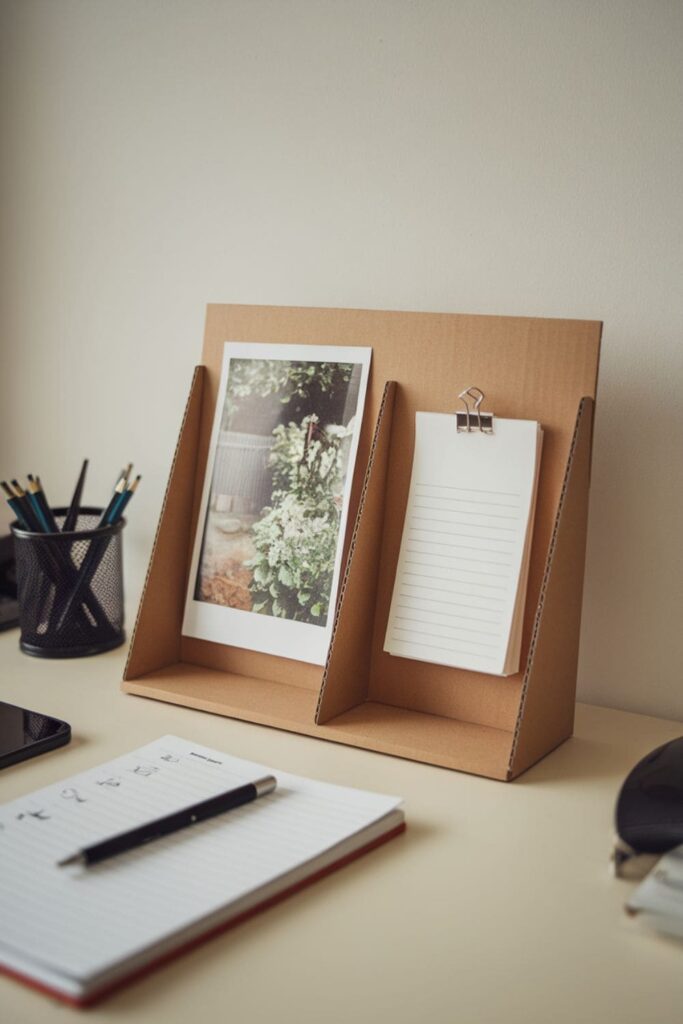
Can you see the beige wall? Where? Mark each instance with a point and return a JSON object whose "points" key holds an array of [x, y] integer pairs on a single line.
{"points": [[495, 157]]}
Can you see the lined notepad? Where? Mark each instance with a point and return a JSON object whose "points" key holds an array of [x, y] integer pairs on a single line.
{"points": [[81, 931], [463, 567]]}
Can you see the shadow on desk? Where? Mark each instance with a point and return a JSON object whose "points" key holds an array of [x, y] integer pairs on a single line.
{"points": [[590, 755]]}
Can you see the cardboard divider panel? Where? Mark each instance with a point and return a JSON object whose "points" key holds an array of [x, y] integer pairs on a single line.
{"points": [[156, 638], [546, 712], [346, 679]]}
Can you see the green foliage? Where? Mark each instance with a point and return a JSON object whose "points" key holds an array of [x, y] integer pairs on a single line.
{"points": [[296, 538], [288, 380]]}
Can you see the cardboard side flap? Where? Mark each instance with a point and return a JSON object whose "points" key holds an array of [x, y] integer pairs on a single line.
{"points": [[345, 681], [156, 637], [546, 712]]}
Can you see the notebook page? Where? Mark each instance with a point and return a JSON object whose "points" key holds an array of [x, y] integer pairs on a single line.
{"points": [[463, 545], [80, 921]]}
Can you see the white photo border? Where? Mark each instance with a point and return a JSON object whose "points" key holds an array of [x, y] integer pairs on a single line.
{"points": [[301, 641]]}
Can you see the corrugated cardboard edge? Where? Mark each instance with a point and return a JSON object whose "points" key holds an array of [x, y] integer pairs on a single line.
{"points": [[345, 680], [156, 636], [546, 710]]}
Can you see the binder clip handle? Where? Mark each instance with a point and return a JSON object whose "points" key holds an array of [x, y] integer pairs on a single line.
{"points": [[473, 418]]}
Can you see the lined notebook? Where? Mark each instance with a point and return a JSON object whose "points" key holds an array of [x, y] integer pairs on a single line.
{"points": [[80, 932], [463, 567]]}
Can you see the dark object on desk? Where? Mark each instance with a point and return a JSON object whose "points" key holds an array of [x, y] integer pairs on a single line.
{"points": [[649, 812], [25, 734], [69, 523], [171, 823], [9, 606], [70, 587]]}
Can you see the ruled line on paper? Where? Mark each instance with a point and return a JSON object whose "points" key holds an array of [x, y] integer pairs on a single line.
{"points": [[423, 503], [473, 618], [456, 533], [434, 611], [459, 522], [475, 490], [462, 558], [445, 579], [447, 533], [451, 629], [475, 572], [458, 642], [484, 502], [467, 598], [443, 647]]}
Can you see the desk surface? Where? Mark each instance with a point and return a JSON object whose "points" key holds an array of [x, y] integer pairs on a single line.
{"points": [[496, 904]]}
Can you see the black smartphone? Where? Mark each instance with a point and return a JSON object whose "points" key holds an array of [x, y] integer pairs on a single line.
{"points": [[25, 733]]}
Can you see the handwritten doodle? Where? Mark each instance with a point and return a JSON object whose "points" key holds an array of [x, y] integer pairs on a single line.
{"points": [[171, 758], [145, 770], [72, 794], [111, 781], [38, 815]]}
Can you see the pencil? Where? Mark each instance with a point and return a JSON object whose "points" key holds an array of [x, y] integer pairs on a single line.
{"points": [[15, 505], [125, 473], [72, 514], [35, 488], [34, 521], [113, 501], [123, 500]]}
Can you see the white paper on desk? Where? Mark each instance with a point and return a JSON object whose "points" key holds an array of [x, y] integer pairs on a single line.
{"points": [[462, 572], [659, 898]]}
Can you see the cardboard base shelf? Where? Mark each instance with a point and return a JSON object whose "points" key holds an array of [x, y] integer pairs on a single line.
{"points": [[544, 370], [371, 725], [222, 693]]}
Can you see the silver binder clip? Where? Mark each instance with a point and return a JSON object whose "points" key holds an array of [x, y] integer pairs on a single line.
{"points": [[473, 419]]}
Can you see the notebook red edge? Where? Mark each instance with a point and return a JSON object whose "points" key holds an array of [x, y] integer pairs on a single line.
{"points": [[97, 996]]}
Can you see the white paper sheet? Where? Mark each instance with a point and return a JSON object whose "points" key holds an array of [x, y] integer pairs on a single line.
{"points": [[301, 640], [658, 900], [462, 561]]}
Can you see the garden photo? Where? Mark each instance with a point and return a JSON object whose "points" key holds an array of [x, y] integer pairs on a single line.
{"points": [[274, 509]]}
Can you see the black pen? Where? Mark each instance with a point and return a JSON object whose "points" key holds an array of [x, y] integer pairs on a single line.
{"points": [[171, 823]]}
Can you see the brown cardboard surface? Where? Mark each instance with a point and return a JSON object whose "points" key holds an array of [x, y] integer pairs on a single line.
{"points": [[546, 712], [534, 369], [156, 637], [346, 679], [225, 693], [467, 747]]}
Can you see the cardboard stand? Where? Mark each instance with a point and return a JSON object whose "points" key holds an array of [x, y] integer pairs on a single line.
{"points": [[538, 369]]}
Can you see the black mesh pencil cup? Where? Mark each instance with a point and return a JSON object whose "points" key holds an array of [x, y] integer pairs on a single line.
{"points": [[70, 588]]}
